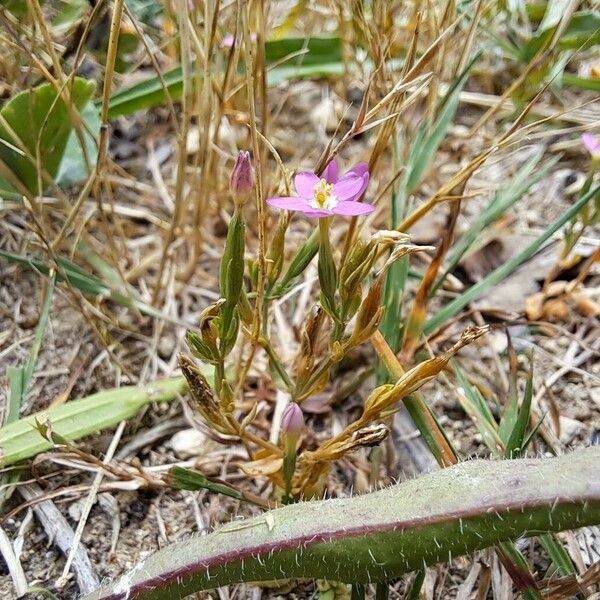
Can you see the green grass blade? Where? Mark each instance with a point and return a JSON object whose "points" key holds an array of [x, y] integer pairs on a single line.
{"points": [[496, 276], [414, 592], [301, 260], [583, 83], [518, 569], [16, 385], [474, 396], [516, 446], [39, 332], [320, 57], [511, 408], [527, 176], [87, 283], [20, 440], [424, 145], [188, 479], [19, 378], [382, 591], [429, 136], [418, 411], [397, 275], [560, 557], [478, 411]]}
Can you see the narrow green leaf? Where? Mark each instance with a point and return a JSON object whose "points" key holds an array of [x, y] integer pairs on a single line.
{"points": [[519, 570], [429, 136], [16, 386], [417, 409], [39, 332], [515, 445], [383, 591], [188, 479], [358, 592], [511, 407], [496, 276], [582, 32], [414, 592], [320, 56], [86, 283], [298, 265], [20, 440], [514, 189], [583, 83], [476, 407], [560, 557]]}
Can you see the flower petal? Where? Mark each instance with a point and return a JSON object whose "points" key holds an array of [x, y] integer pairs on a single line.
{"points": [[348, 187], [360, 169], [352, 209], [291, 203], [330, 172], [591, 144], [319, 214], [304, 183]]}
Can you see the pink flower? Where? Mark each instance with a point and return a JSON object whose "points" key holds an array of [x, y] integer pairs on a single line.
{"points": [[591, 143], [329, 194]]}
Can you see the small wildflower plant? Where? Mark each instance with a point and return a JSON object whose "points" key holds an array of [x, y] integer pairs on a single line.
{"points": [[305, 351], [348, 315]]}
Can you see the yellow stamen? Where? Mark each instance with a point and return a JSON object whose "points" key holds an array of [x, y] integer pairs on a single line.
{"points": [[322, 195]]}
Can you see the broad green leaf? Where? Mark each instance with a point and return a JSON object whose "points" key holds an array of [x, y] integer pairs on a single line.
{"points": [[73, 168], [16, 7], [35, 127], [381, 535], [68, 13]]}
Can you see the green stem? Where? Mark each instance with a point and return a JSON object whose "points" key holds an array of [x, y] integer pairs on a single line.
{"points": [[328, 277]]}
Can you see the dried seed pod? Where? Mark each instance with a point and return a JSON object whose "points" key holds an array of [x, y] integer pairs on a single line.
{"points": [[202, 394], [309, 344], [369, 315]]}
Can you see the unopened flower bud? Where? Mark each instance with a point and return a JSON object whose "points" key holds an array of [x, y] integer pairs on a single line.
{"points": [[292, 420], [242, 178]]}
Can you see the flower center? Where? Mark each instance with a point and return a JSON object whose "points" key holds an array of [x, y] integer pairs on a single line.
{"points": [[322, 196]]}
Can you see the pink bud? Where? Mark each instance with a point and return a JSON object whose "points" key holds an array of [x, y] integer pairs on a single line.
{"points": [[242, 178], [292, 420]]}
